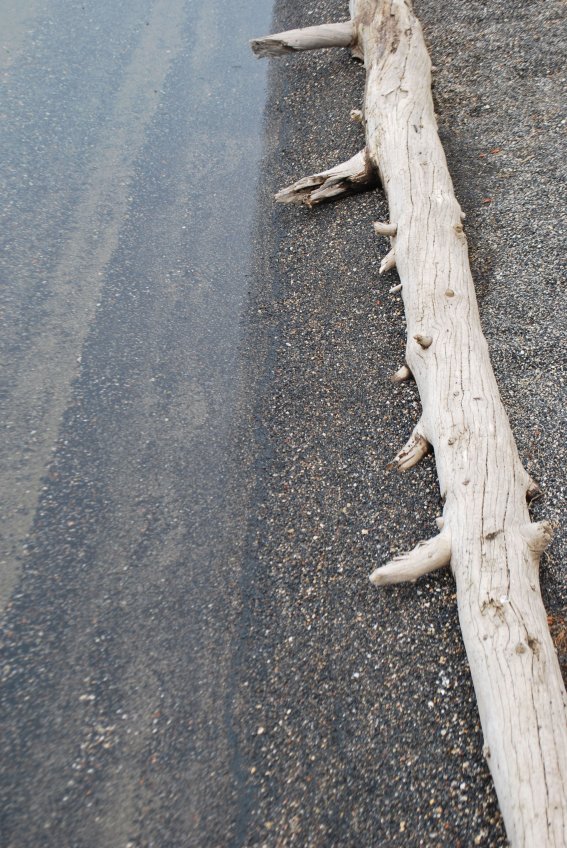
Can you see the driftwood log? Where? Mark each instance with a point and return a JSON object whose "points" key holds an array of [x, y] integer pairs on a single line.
{"points": [[485, 533]]}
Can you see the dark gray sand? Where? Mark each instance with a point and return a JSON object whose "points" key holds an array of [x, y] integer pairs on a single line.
{"points": [[366, 731]]}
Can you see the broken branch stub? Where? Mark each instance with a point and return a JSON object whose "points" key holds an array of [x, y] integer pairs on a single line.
{"points": [[412, 452], [358, 174], [308, 38], [426, 557], [486, 534]]}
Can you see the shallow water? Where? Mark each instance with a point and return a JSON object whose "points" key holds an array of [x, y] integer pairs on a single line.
{"points": [[131, 140], [127, 128]]}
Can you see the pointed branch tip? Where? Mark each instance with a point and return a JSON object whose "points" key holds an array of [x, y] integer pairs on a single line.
{"points": [[401, 374], [388, 262]]}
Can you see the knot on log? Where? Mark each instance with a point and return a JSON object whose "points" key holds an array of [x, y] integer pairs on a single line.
{"points": [[538, 536], [423, 341]]}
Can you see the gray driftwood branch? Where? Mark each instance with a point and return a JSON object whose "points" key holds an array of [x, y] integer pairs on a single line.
{"points": [[485, 534]]}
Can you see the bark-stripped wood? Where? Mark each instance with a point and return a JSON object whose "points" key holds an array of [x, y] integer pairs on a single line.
{"points": [[358, 174], [486, 533]]}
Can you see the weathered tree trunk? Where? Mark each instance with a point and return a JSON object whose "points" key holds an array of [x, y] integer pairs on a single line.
{"points": [[485, 532]]}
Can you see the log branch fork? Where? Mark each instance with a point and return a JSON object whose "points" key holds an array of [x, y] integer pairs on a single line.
{"points": [[485, 533]]}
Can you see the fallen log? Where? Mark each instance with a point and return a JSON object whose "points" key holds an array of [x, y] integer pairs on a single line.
{"points": [[486, 535]]}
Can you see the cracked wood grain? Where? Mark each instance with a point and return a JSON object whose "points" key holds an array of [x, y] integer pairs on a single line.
{"points": [[486, 532]]}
